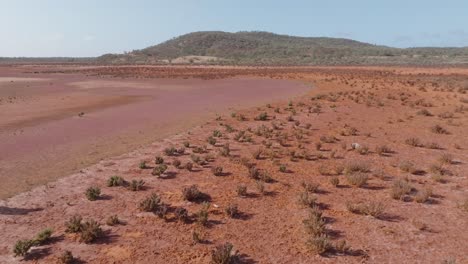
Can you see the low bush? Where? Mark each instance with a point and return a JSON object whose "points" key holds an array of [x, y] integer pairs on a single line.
{"points": [[136, 185], [399, 189], [153, 204], [93, 193], [232, 210], [223, 254], [73, 225], [22, 247], [113, 220], [66, 258], [115, 181], [334, 181], [181, 214], [357, 179], [90, 231], [241, 190], [217, 170], [192, 193]]}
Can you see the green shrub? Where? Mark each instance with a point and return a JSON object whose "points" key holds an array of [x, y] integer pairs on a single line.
{"points": [[22, 247], [181, 214], [399, 189], [223, 254], [232, 210], [93, 193], [241, 190], [159, 170], [73, 225], [334, 181], [192, 193], [357, 179], [115, 181], [319, 245], [91, 230], [154, 204], [43, 237], [66, 258], [217, 170], [136, 185], [158, 160], [113, 220]]}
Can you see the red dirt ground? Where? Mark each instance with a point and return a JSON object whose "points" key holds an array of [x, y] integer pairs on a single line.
{"points": [[40, 122], [371, 106]]}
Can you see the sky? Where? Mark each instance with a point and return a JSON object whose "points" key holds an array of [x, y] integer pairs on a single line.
{"points": [[81, 28]]}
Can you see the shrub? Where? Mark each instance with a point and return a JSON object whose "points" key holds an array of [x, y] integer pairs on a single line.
{"points": [[225, 151], [170, 151], [93, 193], [374, 209], [211, 140], [223, 254], [382, 150], [357, 179], [399, 189], [415, 142], [22, 247], [113, 220], [433, 145], [254, 173], [310, 187], [217, 133], [334, 181], [257, 154], [354, 167], [262, 117], [319, 245], [142, 166], [464, 205], [159, 170], [136, 185], [202, 215], [318, 146], [43, 237], [90, 231], [176, 163], [182, 214], [115, 181], [192, 193], [154, 204], [189, 166], [342, 247], [437, 129], [73, 225], [66, 258], [424, 112], [407, 166], [423, 195], [241, 190], [260, 187], [363, 150], [446, 158], [314, 223], [217, 171], [158, 160], [283, 168], [307, 200], [232, 210]]}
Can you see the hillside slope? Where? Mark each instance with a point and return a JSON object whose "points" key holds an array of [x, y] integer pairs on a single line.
{"points": [[263, 48]]}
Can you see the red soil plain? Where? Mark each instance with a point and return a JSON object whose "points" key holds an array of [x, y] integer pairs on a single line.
{"points": [[294, 164]]}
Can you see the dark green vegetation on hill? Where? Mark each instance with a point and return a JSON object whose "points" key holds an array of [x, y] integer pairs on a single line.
{"points": [[263, 48]]}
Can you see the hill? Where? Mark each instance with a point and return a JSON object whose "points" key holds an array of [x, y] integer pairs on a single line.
{"points": [[263, 48]]}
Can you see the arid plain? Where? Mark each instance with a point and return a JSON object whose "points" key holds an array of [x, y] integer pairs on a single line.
{"points": [[286, 164]]}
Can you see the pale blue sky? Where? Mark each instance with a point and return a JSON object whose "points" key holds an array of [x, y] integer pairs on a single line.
{"points": [[95, 27]]}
